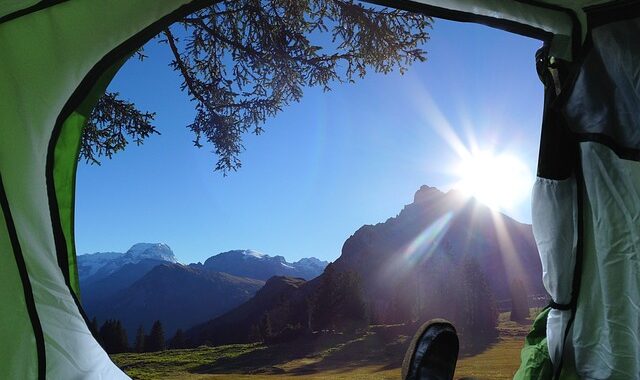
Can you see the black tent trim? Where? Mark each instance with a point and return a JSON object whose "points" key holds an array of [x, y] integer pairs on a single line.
{"points": [[461, 16], [598, 15], [625, 153], [506, 25], [603, 14], [44, 4], [77, 97], [26, 283], [576, 38]]}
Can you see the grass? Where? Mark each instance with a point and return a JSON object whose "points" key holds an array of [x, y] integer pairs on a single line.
{"points": [[373, 355]]}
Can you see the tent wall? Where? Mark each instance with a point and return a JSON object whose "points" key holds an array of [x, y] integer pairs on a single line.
{"points": [[20, 323], [587, 225], [602, 108], [52, 58], [586, 211]]}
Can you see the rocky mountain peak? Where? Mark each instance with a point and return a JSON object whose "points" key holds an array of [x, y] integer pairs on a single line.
{"points": [[155, 251], [426, 193]]}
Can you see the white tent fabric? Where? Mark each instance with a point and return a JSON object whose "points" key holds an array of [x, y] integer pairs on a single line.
{"points": [[59, 45], [606, 332], [586, 216], [555, 227]]}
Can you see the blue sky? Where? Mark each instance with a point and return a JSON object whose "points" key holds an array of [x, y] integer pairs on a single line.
{"points": [[324, 166]]}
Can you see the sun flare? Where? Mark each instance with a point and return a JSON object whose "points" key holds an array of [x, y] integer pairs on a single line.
{"points": [[501, 181]]}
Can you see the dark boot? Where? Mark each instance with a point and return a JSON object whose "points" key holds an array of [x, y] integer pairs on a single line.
{"points": [[433, 352]]}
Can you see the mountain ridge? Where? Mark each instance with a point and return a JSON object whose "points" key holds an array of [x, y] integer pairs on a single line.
{"points": [[443, 255], [114, 285]]}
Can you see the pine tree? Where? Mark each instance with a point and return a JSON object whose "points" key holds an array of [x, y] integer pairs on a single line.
{"points": [[338, 302], [178, 340], [351, 308], [140, 338], [519, 301], [122, 339], [155, 341], [94, 328], [479, 313], [245, 61], [113, 337], [323, 300]]}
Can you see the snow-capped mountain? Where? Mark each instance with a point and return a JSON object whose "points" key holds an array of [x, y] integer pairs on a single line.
{"points": [[254, 264], [146, 283], [180, 296], [96, 266]]}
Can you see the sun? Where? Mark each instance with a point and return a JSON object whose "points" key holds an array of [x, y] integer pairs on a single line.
{"points": [[500, 181]]}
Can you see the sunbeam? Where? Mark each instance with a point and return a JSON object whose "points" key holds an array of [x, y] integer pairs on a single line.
{"points": [[498, 179], [422, 246]]}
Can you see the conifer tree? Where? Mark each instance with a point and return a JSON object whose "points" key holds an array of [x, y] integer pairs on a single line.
{"points": [[178, 341], [114, 337], [350, 307], [243, 61], [155, 341], [519, 301], [94, 328], [322, 302], [140, 339], [480, 315]]}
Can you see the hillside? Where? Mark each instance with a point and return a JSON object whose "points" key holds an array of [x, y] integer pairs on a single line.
{"points": [[442, 256], [178, 295], [283, 297]]}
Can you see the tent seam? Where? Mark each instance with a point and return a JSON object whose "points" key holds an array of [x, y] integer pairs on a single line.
{"points": [[77, 97], [41, 5], [26, 283], [461, 16]]}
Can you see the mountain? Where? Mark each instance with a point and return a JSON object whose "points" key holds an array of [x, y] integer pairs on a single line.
{"points": [[239, 325], [179, 296], [444, 225], [97, 292], [443, 255], [103, 274], [253, 264], [120, 285], [97, 266]]}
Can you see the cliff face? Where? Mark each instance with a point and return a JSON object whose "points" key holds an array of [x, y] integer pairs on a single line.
{"points": [[429, 242]]}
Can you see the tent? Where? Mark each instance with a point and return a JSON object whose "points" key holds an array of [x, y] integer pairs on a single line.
{"points": [[58, 56]]}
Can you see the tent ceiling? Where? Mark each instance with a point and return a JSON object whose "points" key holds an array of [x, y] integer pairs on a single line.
{"points": [[556, 21], [9, 6]]}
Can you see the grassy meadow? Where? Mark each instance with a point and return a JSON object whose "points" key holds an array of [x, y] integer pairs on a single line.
{"points": [[375, 354]]}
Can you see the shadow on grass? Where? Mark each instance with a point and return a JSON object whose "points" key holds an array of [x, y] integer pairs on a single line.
{"points": [[377, 346]]}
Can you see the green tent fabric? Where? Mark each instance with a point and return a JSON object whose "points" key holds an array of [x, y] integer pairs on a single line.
{"points": [[58, 56], [535, 363]]}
